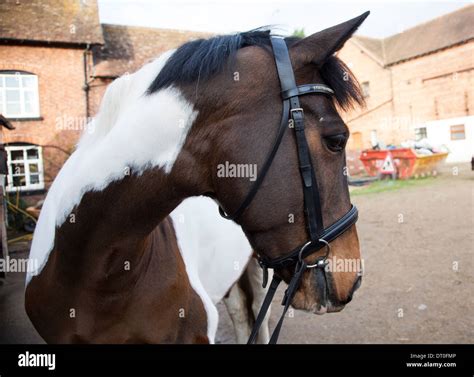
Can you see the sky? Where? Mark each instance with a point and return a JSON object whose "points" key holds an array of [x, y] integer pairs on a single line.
{"points": [[387, 17]]}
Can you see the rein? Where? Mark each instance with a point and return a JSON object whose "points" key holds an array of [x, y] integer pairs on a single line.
{"points": [[319, 236]]}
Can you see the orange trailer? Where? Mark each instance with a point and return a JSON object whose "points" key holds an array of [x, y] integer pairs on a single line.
{"points": [[402, 162]]}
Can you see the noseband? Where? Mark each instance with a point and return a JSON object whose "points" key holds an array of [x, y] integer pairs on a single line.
{"points": [[320, 237]]}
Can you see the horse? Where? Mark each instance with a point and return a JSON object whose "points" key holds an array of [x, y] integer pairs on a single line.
{"points": [[211, 103], [221, 257], [200, 232]]}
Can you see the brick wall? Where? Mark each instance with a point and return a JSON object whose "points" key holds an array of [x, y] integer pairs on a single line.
{"points": [[61, 96], [401, 96], [378, 103], [406, 95]]}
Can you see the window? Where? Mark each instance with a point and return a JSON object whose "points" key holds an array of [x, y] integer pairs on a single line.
{"points": [[458, 132], [374, 140], [25, 168], [19, 95], [420, 133], [365, 86]]}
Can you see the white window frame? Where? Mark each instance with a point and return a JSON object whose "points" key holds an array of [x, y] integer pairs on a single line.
{"points": [[26, 162], [365, 87], [461, 130], [419, 133], [22, 90]]}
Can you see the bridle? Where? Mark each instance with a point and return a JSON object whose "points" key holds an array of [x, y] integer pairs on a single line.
{"points": [[319, 236]]}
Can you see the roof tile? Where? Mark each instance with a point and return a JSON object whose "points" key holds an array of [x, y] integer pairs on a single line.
{"points": [[71, 21], [127, 48], [442, 32]]}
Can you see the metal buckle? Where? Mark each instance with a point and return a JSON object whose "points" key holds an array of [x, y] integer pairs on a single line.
{"points": [[297, 109], [300, 254], [320, 262]]}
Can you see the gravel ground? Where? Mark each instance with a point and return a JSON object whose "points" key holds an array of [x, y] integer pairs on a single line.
{"points": [[408, 269]]}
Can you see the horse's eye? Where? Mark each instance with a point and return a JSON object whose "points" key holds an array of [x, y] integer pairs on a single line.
{"points": [[336, 143]]}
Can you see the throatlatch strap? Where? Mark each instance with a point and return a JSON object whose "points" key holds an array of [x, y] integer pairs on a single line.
{"points": [[263, 172]]}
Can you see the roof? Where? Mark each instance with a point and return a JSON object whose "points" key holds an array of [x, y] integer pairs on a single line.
{"points": [[70, 22], [127, 48], [373, 46], [448, 30]]}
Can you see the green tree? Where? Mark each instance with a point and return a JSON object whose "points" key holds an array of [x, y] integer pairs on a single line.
{"points": [[299, 33]]}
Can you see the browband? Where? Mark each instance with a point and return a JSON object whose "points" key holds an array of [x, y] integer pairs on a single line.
{"points": [[306, 89]]}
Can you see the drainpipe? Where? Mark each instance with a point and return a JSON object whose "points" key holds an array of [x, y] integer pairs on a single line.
{"points": [[392, 103], [86, 86]]}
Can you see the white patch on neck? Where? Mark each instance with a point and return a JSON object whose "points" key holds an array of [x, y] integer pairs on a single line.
{"points": [[133, 131]]}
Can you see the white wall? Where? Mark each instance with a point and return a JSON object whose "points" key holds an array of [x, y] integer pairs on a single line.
{"points": [[439, 133]]}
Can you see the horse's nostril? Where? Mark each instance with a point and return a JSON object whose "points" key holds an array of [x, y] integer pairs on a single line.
{"points": [[356, 286]]}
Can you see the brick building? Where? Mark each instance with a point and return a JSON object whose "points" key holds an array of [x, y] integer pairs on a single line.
{"points": [[56, 61], [417, 84], [126, 49], [44, 52]]}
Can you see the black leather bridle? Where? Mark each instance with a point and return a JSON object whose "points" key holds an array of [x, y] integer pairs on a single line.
{"points": [[320, 237]]}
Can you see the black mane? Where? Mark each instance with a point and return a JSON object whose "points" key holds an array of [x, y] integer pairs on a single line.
{"points": [[200, 59]]}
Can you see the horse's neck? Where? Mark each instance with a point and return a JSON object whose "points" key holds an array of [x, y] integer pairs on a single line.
{"points": [[126, 171], [119, 271], [115, 229]]}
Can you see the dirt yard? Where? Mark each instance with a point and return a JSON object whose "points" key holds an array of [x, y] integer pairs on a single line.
{"points": [[408, 270], [418, 282]]}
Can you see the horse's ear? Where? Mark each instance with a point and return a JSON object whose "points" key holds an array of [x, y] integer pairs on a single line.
{"points": [[318, 47]]}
